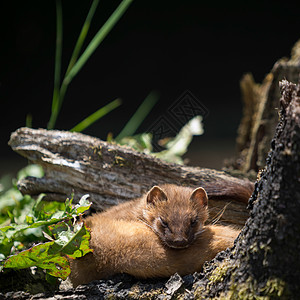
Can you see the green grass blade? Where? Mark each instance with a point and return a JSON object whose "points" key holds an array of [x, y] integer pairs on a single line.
{"points": [[138, 117], [57, 70], [82, 36], [96, 41], [29, 120], [77, 50], [96, 115]]}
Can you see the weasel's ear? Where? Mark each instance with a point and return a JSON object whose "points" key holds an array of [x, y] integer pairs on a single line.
{"points": [[156, 194], [199, 195]]}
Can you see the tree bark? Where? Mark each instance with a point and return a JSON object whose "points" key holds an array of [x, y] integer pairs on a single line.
{"points": [[111, 174], [260, 115], [265, 261]]}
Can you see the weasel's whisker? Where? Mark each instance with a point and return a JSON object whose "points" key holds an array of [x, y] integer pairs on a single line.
{"points": [[200, 231], [218, 216], [141, 220]]}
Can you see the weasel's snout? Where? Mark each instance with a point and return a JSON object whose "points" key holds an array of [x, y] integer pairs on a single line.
{"points": [[178, 243]]}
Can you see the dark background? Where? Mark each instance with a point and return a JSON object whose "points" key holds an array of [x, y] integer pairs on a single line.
{"points": [[167, 46]]}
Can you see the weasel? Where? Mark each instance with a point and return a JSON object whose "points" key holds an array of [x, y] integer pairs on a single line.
{"points": [[176, 214], [156, 235]]}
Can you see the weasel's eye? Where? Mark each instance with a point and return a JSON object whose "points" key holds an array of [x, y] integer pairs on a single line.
{"points": [[194, 222], [163, 223]]}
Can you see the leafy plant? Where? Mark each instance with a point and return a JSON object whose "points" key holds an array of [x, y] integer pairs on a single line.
{"points": [[26, 221], [175, 147], [67, 238], [13, 205]]}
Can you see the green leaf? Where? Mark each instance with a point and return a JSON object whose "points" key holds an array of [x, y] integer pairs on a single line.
{"points": [[75, 67], [29, 258], [83, 205], [5, 245], [83, 34], [31, 170], [56, 101], [38, 255], [138, 117], [97, 115], [70, 240], [176, 147], [57, 266], [97, 40], [80, 242], [9, 199], [139, 142], [46, 210], [29, 219]]}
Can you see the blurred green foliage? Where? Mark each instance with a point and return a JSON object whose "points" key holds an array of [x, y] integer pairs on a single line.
{"points": [[26, 221]]}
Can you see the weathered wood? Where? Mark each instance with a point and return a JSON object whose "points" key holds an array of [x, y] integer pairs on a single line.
{"points": [[111, 174], [261, 103]]}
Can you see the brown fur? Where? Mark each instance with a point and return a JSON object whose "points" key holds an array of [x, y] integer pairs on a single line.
{"points": [[130, 238]]}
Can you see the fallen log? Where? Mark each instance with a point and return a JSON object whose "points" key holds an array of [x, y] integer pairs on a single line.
{"points": [[111, 174]]}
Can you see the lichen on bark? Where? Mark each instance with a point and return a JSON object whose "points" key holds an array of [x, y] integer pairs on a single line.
{"points": [[265, 261]]}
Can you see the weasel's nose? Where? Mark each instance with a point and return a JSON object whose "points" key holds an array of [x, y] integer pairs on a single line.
{"points": [[179, 242]]}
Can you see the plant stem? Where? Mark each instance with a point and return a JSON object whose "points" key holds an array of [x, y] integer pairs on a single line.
{"points": [[99, 37], [29, 120], [96, 115], [138, 117], [59, 94], [57, 70], [82, 36]]}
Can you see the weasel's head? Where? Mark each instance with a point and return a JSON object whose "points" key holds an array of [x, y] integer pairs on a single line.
{"points": [[176, 214]]}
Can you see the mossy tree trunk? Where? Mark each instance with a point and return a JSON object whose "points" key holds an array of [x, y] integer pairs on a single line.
{"points": [[266, 258]]}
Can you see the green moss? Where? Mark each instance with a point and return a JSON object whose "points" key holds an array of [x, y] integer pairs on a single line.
{"points": [[198, 294], [136, 293], [264, 248], [97, 150], [111, 297], [219, 272], [274, 288], [254, 248], [119, 161]]}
